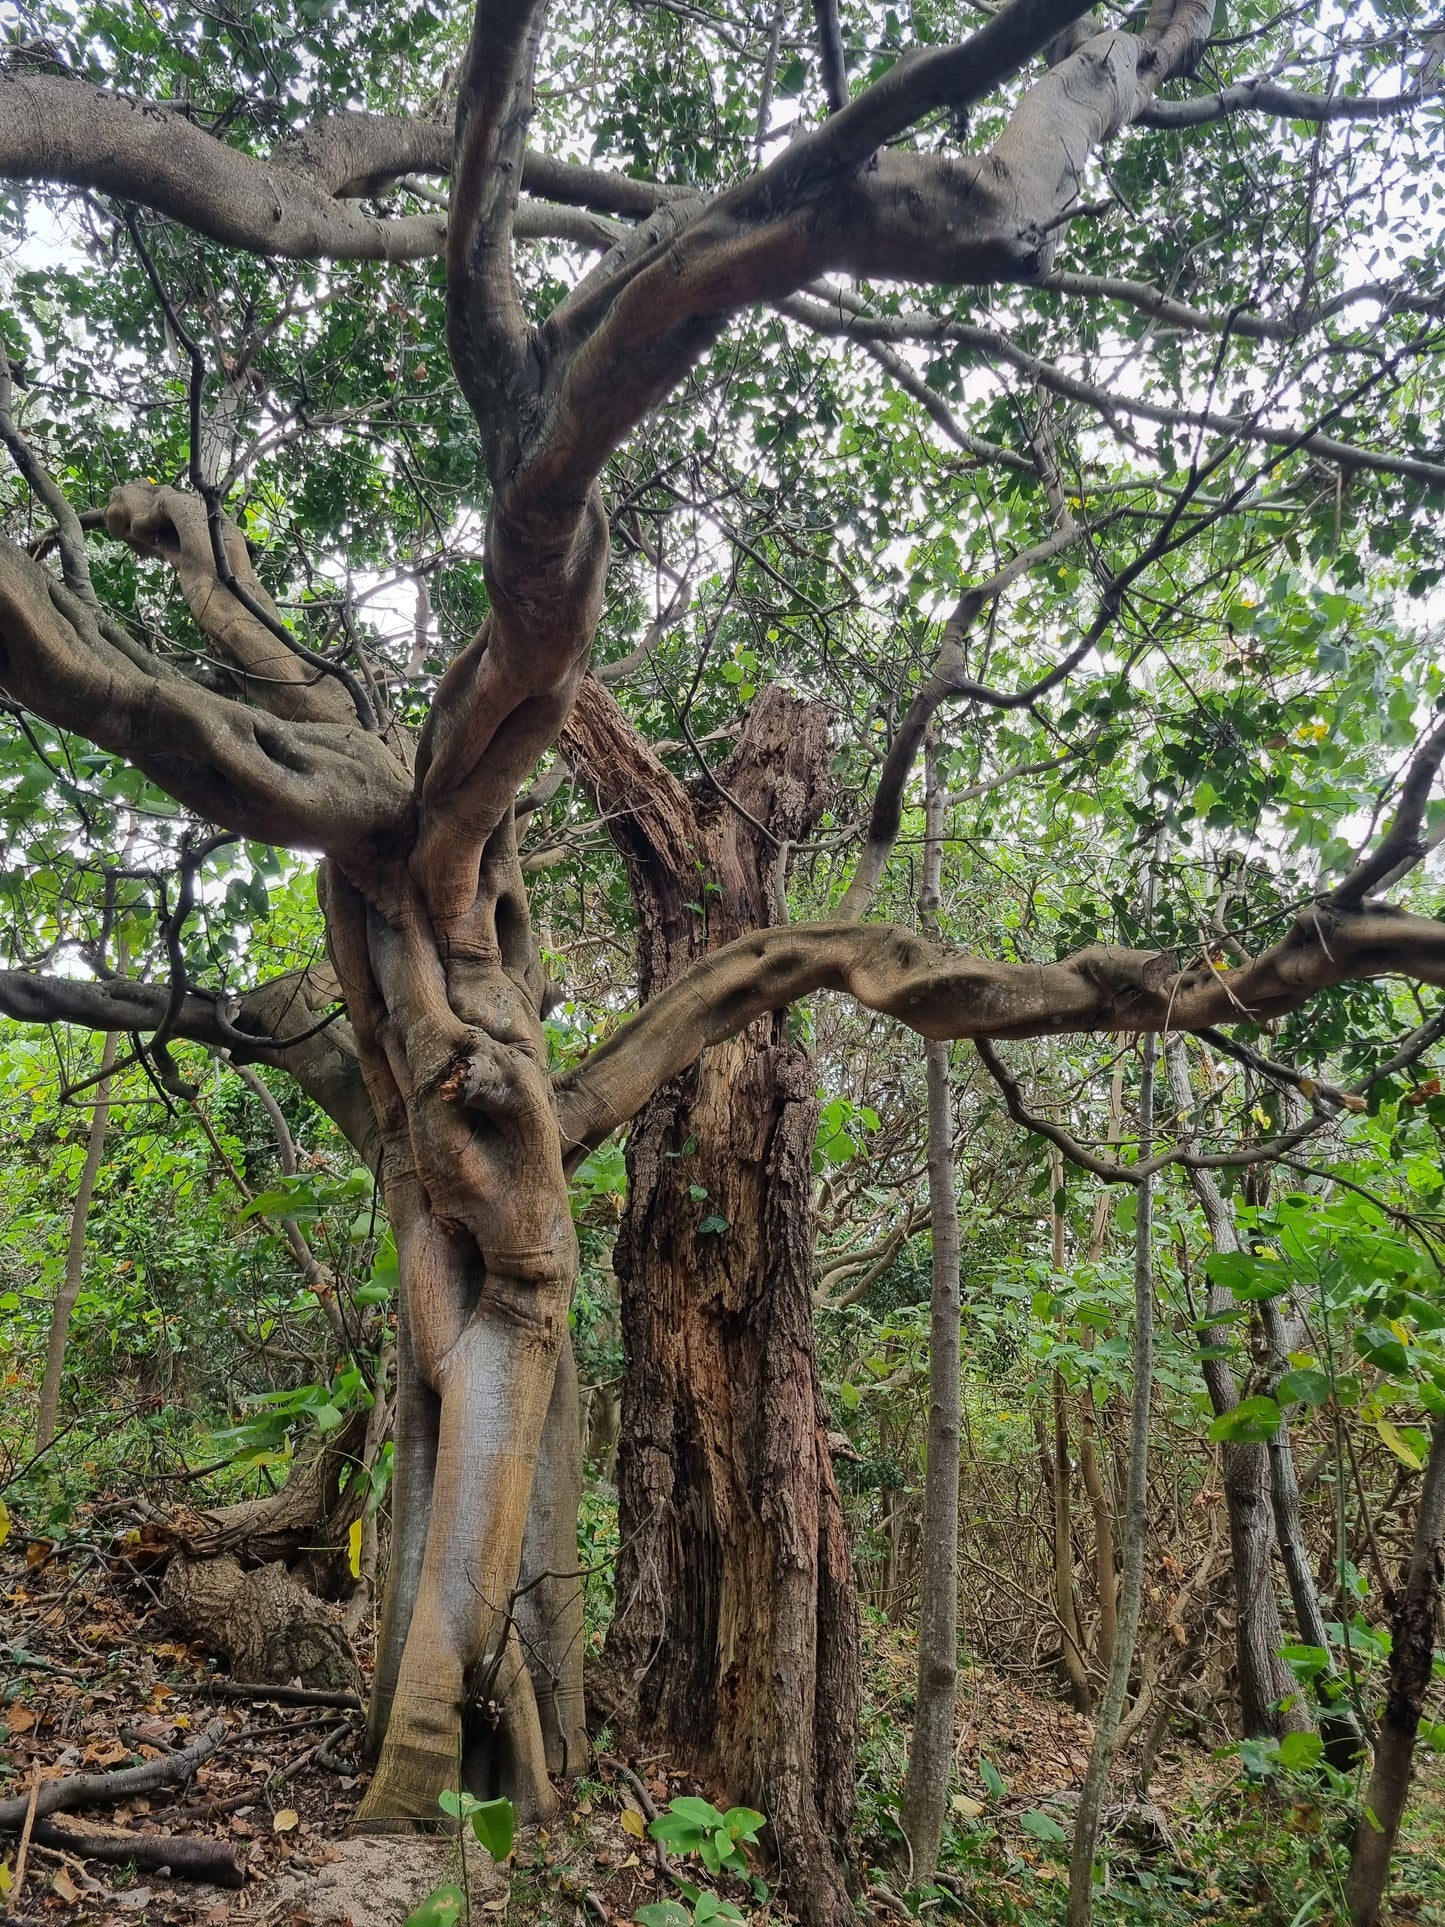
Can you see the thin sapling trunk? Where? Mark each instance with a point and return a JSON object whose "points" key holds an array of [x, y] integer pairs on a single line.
{"points": [[70, 1282], [930, 1757]]}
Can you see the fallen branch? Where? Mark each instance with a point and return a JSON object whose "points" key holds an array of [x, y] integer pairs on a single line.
{"points": [[103, 1789], [195, 1858], [644, 1800], [240, 1689]]}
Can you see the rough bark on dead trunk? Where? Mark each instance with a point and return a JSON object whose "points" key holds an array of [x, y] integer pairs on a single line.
{"points": [[1413, 1612], [734, 1643], [266, 1623]]}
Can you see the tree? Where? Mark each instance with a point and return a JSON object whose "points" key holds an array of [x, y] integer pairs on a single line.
{"points": [[409, 786]]}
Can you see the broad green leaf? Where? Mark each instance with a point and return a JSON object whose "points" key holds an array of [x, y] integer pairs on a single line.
{"points": [[442, 1908], [494, 1822]]}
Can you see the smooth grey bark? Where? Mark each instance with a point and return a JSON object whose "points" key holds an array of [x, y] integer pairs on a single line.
{"points": [[69, 1288], [1264, 1680], [930, 1757], [1413, 1614], [1338, 1726], [1136, 1524]]}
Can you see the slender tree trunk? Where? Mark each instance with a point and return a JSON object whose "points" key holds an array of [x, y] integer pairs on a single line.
{"points": [[1136, 1526], [930, 1757], [1413, 1611], [1265, 1682], [1101, 1504], [734, 1642], [69, 1289], [1059, 1460], [1338, 1726], [1106, 1575]]}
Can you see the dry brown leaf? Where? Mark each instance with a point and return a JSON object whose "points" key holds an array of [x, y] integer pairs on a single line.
{"points": [[63, 1885], [19, 1719]]}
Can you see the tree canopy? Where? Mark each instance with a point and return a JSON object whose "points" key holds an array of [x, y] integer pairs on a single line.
{"points": [[438, 434]]}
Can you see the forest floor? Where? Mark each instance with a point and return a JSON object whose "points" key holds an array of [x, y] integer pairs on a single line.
{"points": [[93, 1679]]}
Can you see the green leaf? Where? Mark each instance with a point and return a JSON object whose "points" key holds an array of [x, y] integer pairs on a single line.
{"points": [[663, 1913], [1300, 1750], [1252, 1422], [1042, 1827], [1380, 1347], [743, 1823], [442, 1908], [1402, 1450], [494, 1822], [991, 1778], [710, 1226], [1305, 1386]]}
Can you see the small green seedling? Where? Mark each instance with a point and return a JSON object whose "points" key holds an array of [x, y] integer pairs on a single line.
{"points": [[695, 1826], [494, 1822]]}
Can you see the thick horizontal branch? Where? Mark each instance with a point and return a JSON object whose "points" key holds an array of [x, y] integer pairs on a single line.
{"points": [[295, 204], [300, 784], [839, 199], [275, 1024], [943, 993]]}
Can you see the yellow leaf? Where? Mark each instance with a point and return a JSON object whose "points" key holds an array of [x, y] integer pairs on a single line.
{"points": [[970, 1809], [632, 1861], [1397, 1445], [353, 1549], [6, 1882], [285, 1820], [633, 1823], [4, 1522]]}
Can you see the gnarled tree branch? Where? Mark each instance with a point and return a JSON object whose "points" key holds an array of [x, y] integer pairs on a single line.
{"points": [[944, 993]]}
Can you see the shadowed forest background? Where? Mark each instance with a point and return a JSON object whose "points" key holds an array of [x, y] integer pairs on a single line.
{"points": [[723, 948]]}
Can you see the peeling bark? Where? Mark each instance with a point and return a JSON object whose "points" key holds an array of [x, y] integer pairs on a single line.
{"points": [[734, 1639]]}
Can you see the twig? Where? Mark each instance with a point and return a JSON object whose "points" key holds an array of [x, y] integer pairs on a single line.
{"points": [[644, 1800], [324, 1755], [25, 1833]]}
